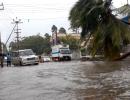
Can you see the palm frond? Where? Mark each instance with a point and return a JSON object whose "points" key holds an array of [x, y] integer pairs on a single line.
{"points": [[96, 17]]}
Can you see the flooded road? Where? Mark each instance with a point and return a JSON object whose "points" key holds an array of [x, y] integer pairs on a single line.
{"points": [[66, 81]]}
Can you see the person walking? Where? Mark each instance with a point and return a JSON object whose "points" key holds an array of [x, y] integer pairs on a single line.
{"points": [[8, 60], [1, 60]]}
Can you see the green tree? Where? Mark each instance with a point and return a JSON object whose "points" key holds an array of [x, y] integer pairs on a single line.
{"points": [[47, 44], [96, 19], [74, 43], [37, 43], [33, 42], [47, 36], [54, 28], [13, 46], [62, 30]]}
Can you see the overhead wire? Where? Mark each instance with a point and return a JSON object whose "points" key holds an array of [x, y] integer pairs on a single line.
{"points": [[34, 10], [35, 7], [31, 9], [36, 4], [36, 18], [10, 34]]}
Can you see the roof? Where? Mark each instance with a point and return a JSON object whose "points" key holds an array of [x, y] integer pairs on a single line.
{"points": [[126, 18]]}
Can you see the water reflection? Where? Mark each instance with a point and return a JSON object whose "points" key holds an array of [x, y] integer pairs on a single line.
{"points": [[107, 81]]}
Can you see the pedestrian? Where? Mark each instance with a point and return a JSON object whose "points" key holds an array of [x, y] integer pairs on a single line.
{"points": [[2, 59], [8, 60]]}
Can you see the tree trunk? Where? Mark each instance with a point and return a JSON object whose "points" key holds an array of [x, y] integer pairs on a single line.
{"points": [[110, 52], [122, 57]]}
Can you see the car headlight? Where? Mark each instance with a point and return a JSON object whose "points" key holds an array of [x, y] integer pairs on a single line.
{"points": [[24, 59]]}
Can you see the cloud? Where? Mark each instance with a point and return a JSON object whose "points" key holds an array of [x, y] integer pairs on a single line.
{"points": [[36, 15]]}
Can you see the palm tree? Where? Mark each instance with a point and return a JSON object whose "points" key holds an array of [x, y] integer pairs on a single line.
{"points": [[54, 34], [96, 17], [54, 28]]}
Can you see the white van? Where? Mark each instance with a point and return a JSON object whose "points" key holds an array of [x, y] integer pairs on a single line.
{"points": [[24, 57]]}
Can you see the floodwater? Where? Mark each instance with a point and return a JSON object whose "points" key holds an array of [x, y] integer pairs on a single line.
{"points": [[67, 81]]}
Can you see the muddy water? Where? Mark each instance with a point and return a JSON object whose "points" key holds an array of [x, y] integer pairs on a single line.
{"points": [[66, 81]]}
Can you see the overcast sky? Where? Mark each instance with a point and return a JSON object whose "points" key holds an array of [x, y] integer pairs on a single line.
{"points": [[37, 16]]}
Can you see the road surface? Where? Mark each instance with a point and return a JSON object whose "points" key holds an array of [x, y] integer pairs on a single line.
{"points": [[73, 80]]}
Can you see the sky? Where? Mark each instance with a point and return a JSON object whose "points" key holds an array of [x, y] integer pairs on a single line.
{"points": [[37, 16]]}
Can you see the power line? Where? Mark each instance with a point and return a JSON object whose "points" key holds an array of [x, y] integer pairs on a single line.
{"points": [[37, 18], [38, 8], [34, 8], [36, 4], [43, 8], [10, 34], [38, 12]]}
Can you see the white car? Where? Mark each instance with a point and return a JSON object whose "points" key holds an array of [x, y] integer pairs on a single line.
{"points": [[46, 58], [24, 57]]}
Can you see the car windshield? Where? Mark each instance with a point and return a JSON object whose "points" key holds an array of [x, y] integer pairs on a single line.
{"points": [[26, 53]]}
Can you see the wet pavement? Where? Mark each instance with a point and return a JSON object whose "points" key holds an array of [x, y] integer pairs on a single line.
{"points": [[66, 81]]}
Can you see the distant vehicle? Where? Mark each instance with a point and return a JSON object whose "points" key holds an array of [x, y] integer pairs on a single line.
{"points": [[24, 57], [46, 58], [61, 52]]}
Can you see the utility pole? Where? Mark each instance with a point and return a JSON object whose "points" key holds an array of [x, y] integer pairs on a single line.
{"points": [[1, 53], [1, 6], [1, 49], [17, 30]]}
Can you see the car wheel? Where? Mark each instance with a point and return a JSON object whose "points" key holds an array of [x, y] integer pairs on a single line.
{"points": [[36, 63]]}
